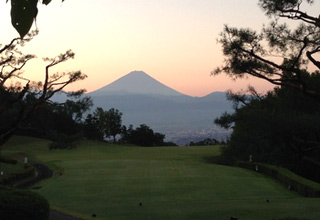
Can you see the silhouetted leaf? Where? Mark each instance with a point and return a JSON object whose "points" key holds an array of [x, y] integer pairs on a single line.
{"points": [[46, 2], [23, 12]]}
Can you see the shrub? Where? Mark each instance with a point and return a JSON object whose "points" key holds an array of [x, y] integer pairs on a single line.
{"points": [[293, 182], [8, 160], [64, 141], [14, 178], [22, 204]]}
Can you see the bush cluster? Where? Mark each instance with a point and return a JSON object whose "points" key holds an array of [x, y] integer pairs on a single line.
{"points": [[22, 204], [279, 128], [293, 182], [142, 136], [11, 180], [8, 160]]}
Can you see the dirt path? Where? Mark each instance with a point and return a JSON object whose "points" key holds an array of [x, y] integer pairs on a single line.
{"points": [[44, 173], [55, 215]]}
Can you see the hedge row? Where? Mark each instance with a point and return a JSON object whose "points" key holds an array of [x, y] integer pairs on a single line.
{"points": [[8, 160], [14, 178], [22, 204], [292, 181]]}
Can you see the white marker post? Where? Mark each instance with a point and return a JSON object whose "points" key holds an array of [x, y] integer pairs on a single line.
{"points": [[25, 160]]}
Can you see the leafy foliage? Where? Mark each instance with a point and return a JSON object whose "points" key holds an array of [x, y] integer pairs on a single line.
{"points": [[24, 13], [278, 54], [205, 142], [21, 97], [283, 8], [91, 128], [103, 124], [64, 141], [21, 204], [112, 123], [142, 136], [59, 122], [280, 128]]}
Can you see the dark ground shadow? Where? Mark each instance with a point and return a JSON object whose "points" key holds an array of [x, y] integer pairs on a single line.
{"points": [[44, 173]]}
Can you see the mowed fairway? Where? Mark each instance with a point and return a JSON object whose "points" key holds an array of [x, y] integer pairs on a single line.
{"points": [[123, 182]]}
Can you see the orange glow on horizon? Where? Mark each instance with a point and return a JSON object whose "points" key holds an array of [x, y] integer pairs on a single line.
{"points": [[172, 41]]}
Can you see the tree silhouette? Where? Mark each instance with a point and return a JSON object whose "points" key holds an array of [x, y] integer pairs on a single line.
{"points": [[278, 54], [104, 124], [15, 106], [282, 126], [113, 123], [142, 136]]}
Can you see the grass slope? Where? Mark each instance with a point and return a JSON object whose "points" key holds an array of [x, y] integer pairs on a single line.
{"points": [[170, 182]]}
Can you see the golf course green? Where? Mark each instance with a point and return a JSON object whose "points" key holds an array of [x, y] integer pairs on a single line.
{"points": [[129, 182]]}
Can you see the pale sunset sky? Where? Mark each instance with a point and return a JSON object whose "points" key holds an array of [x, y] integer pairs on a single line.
{"points": [[174, 41]]}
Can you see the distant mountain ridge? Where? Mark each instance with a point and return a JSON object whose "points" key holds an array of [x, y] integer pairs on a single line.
{"points": [[144, 100], [136, 82]]}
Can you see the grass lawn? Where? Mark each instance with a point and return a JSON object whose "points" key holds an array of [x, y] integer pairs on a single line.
{"points": [[170, 182]]}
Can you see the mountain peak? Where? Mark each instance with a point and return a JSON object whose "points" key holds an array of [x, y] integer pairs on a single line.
{"points": [[137, 82], [135, 76], [137, 73]]}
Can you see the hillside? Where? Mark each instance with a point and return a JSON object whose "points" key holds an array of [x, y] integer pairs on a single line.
{"points": [[169, 182]]}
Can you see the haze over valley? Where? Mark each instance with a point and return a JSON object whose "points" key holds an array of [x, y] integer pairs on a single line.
{"points": [[144, 100]]}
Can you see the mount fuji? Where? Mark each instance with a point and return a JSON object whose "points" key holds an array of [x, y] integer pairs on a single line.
{"points": [[144, 100], [136, 82]]}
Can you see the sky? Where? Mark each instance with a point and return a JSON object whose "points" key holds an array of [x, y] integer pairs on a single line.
{"points": [[174, 41]]}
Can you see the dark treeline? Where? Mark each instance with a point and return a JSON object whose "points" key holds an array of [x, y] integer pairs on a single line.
{"points": [[283, 126], [21, 98], [26, 106], [67, 123], [206, 142], [279, 128]]}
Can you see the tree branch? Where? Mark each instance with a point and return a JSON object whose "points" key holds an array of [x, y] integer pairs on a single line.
{"points": [[8, 45], [310, 57], [299, 15]]}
